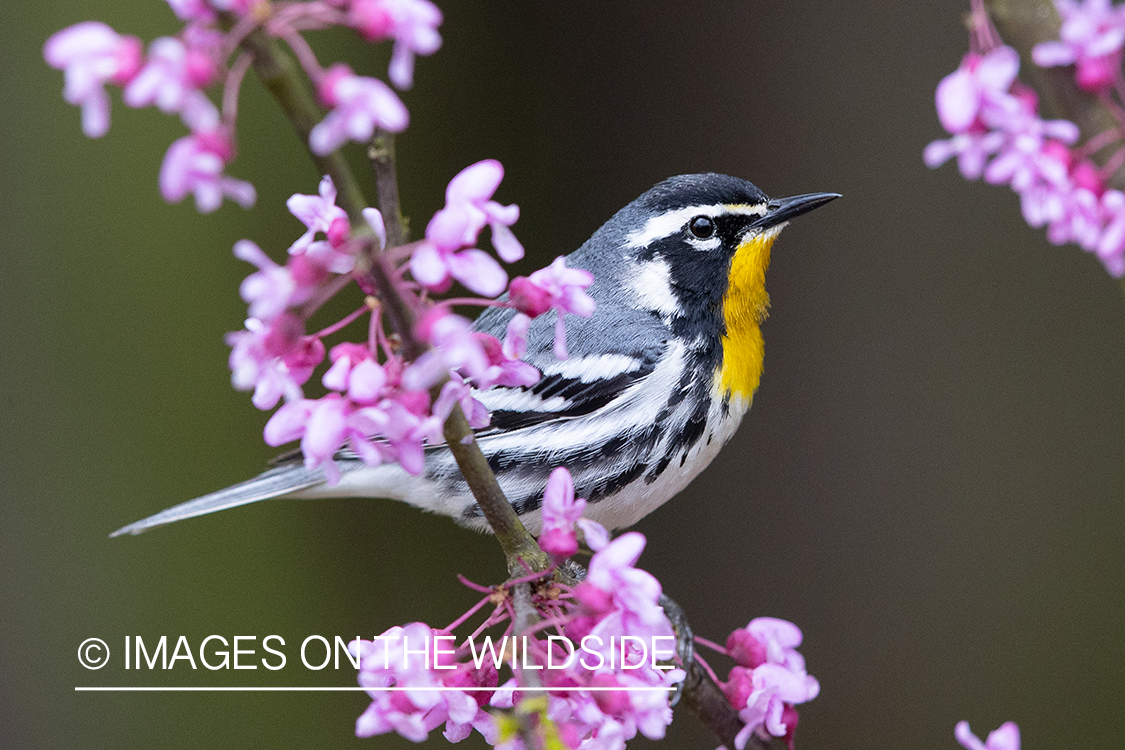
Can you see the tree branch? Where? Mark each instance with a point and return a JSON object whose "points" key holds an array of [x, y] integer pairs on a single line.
{"points": [[519, 546]]}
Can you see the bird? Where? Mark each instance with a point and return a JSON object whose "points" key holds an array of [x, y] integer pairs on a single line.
{"points": [[656, 382]]}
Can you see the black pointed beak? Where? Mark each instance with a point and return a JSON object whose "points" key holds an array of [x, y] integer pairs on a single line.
{"points": [[781, 210]]}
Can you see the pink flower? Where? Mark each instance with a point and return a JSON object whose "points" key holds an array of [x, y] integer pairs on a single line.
{"points": [[395, 659], [319, 213], [1110, 247], [1006, 737], [971, 149], [273, 360], [1079, 219], [355, 372], [194, 164], [621, 600], [768, 708], [554, 287], [1091, 38], [631, 594], [368, 411], [457, 391], [989, 113], [605, 719], [434, 269], [411, 23], [237, 7], [977, 89], [91, 54], [770, 679], [193, 10], [767, 640], [274, 288], [469, 208], [320, 424], [455, 346], [400, 428], [561, 510], [172, 79], [1033, 152], [359, 105], [374, 220], [505, 361]]}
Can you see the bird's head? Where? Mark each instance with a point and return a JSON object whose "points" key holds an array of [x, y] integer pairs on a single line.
{"points": [[694, 250]]}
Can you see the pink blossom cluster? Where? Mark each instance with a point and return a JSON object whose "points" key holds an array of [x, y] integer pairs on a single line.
{"points": [[378, 404], [1006, 737], [582, 703], [447, 253], [412, 660], [1091, 38], [176, 73], [997, 133], [769, 679]]}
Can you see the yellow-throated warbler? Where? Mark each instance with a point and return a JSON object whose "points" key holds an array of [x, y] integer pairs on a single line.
{"points": [[657, 381]]}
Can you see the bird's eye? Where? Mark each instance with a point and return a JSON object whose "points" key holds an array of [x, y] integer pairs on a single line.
{"points": [[702, 227]]}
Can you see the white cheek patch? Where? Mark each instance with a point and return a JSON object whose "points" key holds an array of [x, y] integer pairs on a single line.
{"points": [[651, 282], [670, 222]]}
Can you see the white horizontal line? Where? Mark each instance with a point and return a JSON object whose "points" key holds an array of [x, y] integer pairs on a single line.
{"points": [[268, 689]]}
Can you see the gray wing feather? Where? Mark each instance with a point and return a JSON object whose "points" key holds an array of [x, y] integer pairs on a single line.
{"points": [[276, 482]]}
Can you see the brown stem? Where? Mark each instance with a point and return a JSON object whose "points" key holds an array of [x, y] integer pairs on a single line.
{"points": [[704, 699], [519, 546], [399, 311], [524, 617], [381, 152], [277, 72]]}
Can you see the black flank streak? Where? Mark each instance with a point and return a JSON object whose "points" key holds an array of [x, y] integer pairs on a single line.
{"points": [[658, 469], [612, 485]]}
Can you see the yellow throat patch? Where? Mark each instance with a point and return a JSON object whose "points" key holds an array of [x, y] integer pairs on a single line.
{"points": [[745, 306]]}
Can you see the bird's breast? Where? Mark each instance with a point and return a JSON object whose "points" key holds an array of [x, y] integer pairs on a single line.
{"points": [[745, 306]]}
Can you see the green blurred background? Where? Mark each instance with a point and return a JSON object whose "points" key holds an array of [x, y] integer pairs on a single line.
{"points": [[930, 482]]}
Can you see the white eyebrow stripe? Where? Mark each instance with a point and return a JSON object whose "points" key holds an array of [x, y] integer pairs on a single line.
{"points": [[670, 222]]}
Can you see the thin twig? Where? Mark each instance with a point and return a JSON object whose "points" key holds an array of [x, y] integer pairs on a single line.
{"points": [[381, 152], [278, 74], [513, 536]]}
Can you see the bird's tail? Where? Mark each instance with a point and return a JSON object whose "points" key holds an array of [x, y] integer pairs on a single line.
{"points": [[279, 481]]}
